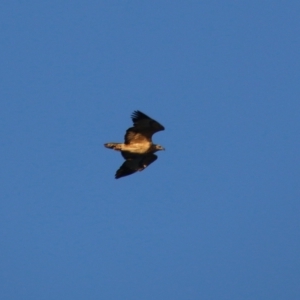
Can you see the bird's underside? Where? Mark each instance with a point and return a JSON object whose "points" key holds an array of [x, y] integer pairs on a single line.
{"points": [[138, 149]]}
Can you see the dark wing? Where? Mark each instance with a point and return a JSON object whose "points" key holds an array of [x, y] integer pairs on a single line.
{"points": [[134, 164], [143, 128], [126, 169], [148, 160]]}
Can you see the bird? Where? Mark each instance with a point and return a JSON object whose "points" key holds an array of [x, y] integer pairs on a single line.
{"points": [[138, 149]]}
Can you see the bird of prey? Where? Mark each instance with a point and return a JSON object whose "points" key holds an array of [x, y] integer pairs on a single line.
{"points": [[138, 149]]}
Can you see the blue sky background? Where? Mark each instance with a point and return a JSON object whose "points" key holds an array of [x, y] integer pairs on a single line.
{"points": [[217, 216]]}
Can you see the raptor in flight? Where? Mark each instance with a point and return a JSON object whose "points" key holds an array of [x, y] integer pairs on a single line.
{"points": [[138, 149]]}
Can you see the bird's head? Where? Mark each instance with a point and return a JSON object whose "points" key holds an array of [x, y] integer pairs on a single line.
{"points": [[159, 147]]}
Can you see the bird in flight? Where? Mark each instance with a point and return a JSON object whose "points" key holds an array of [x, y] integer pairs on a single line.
{"points": [[138, 149]]}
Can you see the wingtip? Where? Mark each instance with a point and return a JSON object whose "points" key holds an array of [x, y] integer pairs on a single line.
{"points": [[118, 176], [135, 114]]}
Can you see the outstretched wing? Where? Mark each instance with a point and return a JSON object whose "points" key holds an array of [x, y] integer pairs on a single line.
{"points": [[143, 128], [134, 164]]}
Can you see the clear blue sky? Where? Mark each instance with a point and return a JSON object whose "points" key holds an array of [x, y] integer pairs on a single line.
{"points": [[216, 217]]}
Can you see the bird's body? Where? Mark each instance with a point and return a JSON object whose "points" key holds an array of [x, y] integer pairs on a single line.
{"points": [[138, 147]]}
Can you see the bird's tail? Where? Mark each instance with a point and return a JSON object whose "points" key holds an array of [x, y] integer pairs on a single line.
{"points": [[115, 146]]}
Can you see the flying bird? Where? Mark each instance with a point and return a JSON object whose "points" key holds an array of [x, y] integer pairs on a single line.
{"points": [[138, 149]]}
